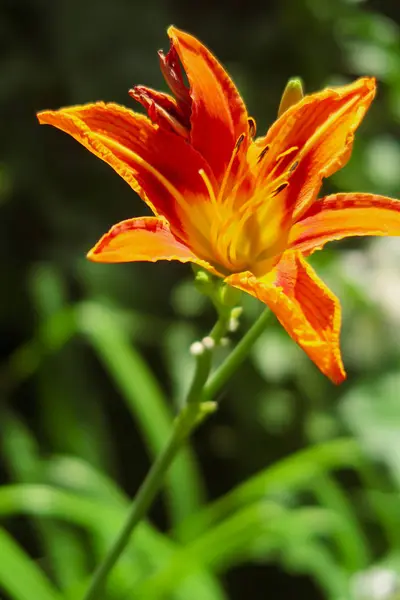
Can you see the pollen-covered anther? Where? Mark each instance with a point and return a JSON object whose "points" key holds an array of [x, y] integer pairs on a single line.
{"points": [[262, 153], [239, 141], [252, 127], [279, 189]]}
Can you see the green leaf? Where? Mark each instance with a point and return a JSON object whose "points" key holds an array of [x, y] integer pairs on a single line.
{"points": [[61, 545], [19, 576], [144, 400], [253, 532], [288, 475], [351, 542], [372, 411], [147, 551]]}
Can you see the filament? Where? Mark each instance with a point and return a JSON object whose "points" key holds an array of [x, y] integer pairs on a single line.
{"points": [[209, 186], [229, 167]]}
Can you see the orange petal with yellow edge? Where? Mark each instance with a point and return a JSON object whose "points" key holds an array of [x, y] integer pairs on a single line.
{"points": [[142, 239], [218, 115], [313, 139], [158, 164], [345, 215], [305, 307]]}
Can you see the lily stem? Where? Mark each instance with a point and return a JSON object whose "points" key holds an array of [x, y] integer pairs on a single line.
{"points": [[236, 357], [204, 360], [197, 408], [188, 419]]}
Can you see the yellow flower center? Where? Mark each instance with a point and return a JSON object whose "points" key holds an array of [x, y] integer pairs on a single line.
{"points": [[243, 228]]}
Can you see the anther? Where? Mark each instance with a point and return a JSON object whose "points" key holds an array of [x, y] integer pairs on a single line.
{"points": [[239, 141], [294, 166], [228, 171], [252, 127], [262, 153], [279, 189]]}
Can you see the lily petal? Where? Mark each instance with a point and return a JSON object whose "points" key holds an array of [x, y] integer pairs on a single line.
{"points": [[313, 139], [159, 165], [219, 116], [305, 307], [345, 215], [142, 239]]}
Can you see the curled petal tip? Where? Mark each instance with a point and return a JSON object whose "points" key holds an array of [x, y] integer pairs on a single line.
{"points": [[338, 377], [368, 84], [92, 255], [41, 117], [171, 30]]}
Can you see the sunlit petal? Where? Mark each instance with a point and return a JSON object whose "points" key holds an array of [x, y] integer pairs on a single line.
{"points": [[156, 163], [305, 307], [345, 215], [142, 239], [313, 139], [219, 115]]}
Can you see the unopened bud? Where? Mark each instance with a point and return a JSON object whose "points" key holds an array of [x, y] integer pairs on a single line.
{"points": [[236, 312], [229, 296], [233, 324], [196, 349], [208, 342], [292, 94]]}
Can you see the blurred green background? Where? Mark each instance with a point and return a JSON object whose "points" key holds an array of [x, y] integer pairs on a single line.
{"points": [[292, 489]]}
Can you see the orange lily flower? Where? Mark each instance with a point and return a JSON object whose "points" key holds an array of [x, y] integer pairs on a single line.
{"points": [[245, 209]]}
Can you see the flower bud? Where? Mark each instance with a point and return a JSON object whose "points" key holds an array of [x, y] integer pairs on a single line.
{"points": [[292, 94]]}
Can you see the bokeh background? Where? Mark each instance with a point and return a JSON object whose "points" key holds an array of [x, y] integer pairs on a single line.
{"points": [[292, 489]]}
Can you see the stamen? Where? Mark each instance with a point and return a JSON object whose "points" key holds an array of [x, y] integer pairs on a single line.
{"points": [[262, 153], [252, 127], [279, 159], [215, 236], [288, 151], [294, 166], [239, 141], [208, 185], [229, 167], [279, 189]]}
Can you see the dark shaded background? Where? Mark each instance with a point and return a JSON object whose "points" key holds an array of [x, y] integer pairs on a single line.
{"points": [[56, 200]]}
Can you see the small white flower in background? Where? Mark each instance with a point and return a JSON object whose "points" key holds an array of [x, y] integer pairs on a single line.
{"points": [[375, 584]]}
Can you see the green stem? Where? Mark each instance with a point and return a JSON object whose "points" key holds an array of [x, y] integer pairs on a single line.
{"points": [[190, 417], [197, 408], [204, 361], [236, 357]]}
